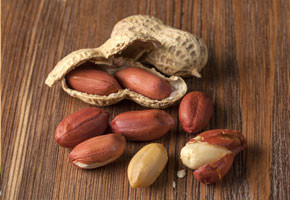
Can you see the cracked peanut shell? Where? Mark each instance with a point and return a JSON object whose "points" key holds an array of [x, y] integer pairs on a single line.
{"points": [[115, 54]]}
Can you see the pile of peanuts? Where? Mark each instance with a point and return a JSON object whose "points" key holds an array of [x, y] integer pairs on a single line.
{"points": [[95, 141]]}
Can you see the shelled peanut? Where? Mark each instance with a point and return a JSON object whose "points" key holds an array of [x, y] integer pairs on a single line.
{"points": [[81, 125], [144, 82], [142, 125], [98, 151], [195, 111]]}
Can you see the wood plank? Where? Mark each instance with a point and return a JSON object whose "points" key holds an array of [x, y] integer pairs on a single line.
{"points": [[247, 76]]}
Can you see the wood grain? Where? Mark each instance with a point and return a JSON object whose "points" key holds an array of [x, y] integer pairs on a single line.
{"points": [[247, 76]]}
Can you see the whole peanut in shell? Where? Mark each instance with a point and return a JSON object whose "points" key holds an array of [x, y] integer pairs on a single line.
{"points": [[92, 81], [81, 125], [195, 111], [144, 82], [142, 125]]}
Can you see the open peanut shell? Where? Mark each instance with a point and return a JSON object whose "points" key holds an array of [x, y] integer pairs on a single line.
{"points": [[115, 54]]}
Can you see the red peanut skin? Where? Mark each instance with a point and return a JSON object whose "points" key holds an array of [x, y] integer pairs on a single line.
{"points": [[92, 81], [215, 171], [230, 139], [144, 82], [233, 140], [143, 125], [98, 149], [195, 111], [81, 125]]}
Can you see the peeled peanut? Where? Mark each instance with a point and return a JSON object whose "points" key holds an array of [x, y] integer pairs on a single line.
{"points": [[92, 81], [146, 165], [98, 151], [81, 125], [144, 82], [142, 125], [212, 153], [195, 111]]}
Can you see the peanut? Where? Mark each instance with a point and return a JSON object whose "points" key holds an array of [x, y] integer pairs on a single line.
{"points": [[98, 151], [212, 153], [92, 81], [195, 155], [81, 125], [146, 165], [144, 82], [142, 125], [195, 111]]}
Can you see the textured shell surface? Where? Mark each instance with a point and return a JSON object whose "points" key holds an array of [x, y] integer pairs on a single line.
{"points": [[181, 53]]}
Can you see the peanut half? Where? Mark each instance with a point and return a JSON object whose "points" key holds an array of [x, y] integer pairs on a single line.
{"points": [[142, 125], [212, 153], [98, 151], [81, 125], [146, 165]]}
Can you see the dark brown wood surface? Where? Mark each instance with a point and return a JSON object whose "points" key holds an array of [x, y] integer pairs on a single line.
{"points": [[247, 76]]}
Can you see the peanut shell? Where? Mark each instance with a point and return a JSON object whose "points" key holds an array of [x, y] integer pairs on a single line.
{"points": [[111, 65], [181, 53]]}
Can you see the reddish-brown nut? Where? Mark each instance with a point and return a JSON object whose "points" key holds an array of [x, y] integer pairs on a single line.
{"points": [[98, 151], [144, 82], [142, 125], [195, 111], [81, 125], [92, 81], [212, 153]]}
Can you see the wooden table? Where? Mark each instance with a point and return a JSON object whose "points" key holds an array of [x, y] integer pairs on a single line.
{"points": [[247, 76]]}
